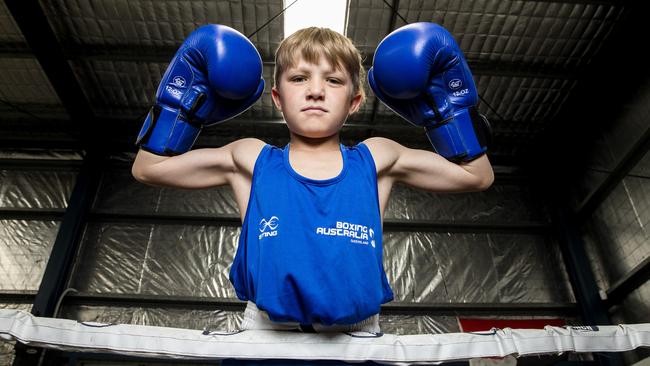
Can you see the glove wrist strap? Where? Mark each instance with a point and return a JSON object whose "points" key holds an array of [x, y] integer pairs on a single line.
{"points": [[462, 137], [166, 131]]}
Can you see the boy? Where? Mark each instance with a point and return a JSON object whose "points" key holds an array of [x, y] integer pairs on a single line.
{"points": [[310, 250]]}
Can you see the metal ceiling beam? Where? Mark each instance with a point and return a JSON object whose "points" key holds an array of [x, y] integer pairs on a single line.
{"points": [[637, 277], [131, 53], [33, 23], [393, 308], [582, 2], [593, 310], [523, 70], [369, 59], [59, 264], [15, 50], [35, 27], [130, 127], [122, 52], [17, 297], [514, 69], [390, 225], [627, 163], [122, 135], [32, 214], [577, 2], [39, 165], [122, 144]]}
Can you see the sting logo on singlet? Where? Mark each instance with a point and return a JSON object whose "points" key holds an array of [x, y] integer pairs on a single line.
{"points": [[358, 234], [269, 227]]}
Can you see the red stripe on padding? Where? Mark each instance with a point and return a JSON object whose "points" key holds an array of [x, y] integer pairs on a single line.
{"points": [[475, 325]]}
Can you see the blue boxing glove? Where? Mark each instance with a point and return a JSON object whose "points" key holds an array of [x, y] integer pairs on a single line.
{"points": [[215, 75], [420, 73]]}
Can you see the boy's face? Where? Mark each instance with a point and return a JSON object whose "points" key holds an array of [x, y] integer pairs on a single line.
{"points": [[315, 99]]}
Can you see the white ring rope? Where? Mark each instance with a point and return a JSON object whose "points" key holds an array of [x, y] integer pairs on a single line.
{"points": [[161, 342]]}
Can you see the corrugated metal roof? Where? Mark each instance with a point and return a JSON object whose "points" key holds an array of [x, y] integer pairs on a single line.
{"points": [[526, 56]]}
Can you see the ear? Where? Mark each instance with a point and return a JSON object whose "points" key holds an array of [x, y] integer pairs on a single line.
{"points": [[275, 94], [355, 104]]}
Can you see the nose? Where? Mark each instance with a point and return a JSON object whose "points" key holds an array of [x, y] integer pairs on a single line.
{"points": [[316, 89]]}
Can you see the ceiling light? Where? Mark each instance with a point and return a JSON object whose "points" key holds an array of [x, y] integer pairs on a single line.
{"points": [[315, 13]]}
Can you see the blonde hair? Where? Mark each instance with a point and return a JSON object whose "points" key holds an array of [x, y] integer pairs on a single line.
{"points": [[311, 43]]}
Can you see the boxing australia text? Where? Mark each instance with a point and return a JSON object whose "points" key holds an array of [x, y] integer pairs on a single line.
{"points": [[359, 234]]}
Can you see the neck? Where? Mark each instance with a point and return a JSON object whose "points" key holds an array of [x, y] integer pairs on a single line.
{"points": [[321, 144]]}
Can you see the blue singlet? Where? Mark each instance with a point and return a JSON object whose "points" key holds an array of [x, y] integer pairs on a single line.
{"points": [[310, 251]]}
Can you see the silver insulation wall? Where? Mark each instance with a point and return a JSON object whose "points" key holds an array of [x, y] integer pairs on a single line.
{"points": [[25, 244], [193, 260], [190, 260], [617, 235]]}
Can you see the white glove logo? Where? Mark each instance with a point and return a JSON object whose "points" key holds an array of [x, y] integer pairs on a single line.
{"points": [[455, 84], [178, 81]]}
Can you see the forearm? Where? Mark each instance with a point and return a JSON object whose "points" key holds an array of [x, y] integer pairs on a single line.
{"points": [[195, 169], [143, 161], [481, 169]]}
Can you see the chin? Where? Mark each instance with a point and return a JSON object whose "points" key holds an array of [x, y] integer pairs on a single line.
{"points": [[315, 134]]}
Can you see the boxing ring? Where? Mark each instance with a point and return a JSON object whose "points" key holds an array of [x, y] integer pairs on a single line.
{"points": [[175, 343]]}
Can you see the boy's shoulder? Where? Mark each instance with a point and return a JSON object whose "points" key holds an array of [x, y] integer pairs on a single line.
{"points": [[382, 146], [244, 153], [385, 152], [247, 145]]}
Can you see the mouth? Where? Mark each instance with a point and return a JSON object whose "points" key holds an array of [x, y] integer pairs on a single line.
{"points": [[313, 108]]}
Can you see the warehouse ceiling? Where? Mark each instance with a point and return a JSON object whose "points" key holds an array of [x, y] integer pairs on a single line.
{"points": [[81, 73]]}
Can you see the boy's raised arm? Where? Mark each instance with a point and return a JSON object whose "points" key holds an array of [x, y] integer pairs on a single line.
{"points": [[200, 168], [427, 170], [215, 75], [420, 73]]}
